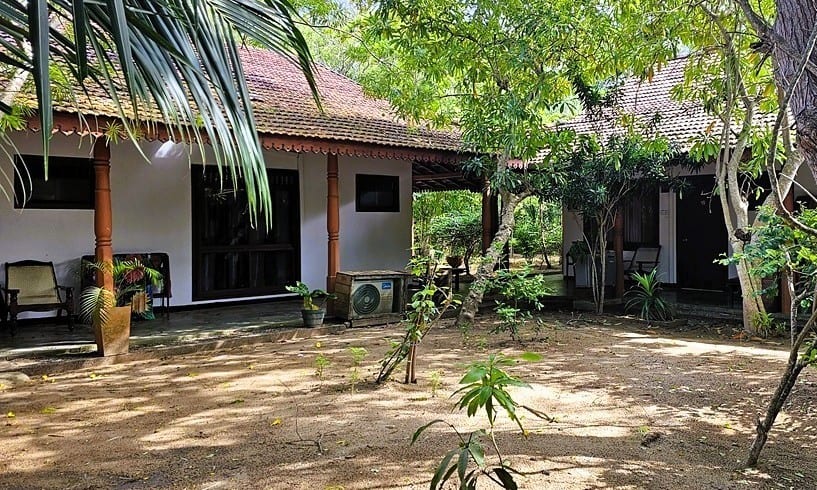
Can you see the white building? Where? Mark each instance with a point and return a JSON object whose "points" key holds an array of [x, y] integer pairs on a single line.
{"points": [[173, 204]]}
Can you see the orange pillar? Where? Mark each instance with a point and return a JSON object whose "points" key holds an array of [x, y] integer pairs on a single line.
{"points": [[487, 225], [103, 216], [332, 221], [618, 247], [785, 297]]}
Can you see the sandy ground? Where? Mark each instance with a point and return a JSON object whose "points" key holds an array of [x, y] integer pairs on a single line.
{"points": [[635, 408]]}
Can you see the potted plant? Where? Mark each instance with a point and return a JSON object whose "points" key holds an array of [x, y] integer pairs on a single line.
{"points": [[313, 310], [110, 312], [454, 258]]}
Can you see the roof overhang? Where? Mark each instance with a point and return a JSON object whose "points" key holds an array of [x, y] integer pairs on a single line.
{"points": [[432, 170]]}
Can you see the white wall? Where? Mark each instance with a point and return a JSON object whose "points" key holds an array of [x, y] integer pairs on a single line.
{"points": [[667, 260], [572, 230], [61, 236], [370, 241], [151, 205]]}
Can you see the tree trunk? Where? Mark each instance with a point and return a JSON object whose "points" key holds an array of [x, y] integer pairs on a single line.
{"points": [[471, 303], [795, 365], [411, 358], [780, 395], [600, 271], [793, 25], [750, 285]]}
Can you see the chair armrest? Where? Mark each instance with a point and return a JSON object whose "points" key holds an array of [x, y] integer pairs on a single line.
{"points": [[641, 264], [69, 292], [10, 295]]}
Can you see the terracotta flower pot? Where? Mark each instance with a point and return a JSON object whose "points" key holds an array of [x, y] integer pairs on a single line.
{"points": [[455, 261], [113, 335]]}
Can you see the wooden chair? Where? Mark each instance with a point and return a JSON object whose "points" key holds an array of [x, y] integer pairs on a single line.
{"points": [[31, 285], [645, 259]]}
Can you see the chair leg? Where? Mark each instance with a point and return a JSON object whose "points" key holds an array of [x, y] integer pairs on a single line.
{"points": [[13, 324], [70, 316]]}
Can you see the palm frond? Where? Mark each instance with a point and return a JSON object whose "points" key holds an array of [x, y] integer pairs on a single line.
{"points": [[95, 304], [168, 62]]}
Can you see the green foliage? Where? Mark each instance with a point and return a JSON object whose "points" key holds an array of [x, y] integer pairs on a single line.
{"points": [[520, 291], [645, 296], [309, 295], [425, 308], [485, 389], [354, 379], [435, 381], [321, 363], [597, 178], [447, 220], [777, 247], [163, 62], [765, 325], [538, 228], [458, 233], [130, 276], [482, 65], [511, 319], [358, 354]]}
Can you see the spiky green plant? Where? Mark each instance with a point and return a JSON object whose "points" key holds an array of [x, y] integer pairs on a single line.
{"points": [[645, 296]]}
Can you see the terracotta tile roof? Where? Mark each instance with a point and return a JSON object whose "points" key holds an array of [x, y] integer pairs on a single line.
{"points": [[679, 122], [284, 106]]}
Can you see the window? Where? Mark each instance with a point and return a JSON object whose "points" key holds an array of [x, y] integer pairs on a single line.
{"points": [[377, 193], [70, 183], [641, 219]]}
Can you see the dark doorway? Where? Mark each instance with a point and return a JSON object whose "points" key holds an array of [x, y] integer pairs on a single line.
{"points": [[701, 236], [232, 259]]}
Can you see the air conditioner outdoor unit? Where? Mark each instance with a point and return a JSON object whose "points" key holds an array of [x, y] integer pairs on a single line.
{"points": [[370, 297]]}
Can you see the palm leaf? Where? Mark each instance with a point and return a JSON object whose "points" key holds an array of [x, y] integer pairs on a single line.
{"points": [[169, 62], [95, 304]]}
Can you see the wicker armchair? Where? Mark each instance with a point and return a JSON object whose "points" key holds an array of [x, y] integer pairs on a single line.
{"points": [[31, 285]]}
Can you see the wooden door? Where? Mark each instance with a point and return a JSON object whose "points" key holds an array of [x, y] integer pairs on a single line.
{"points": [[231, 258], [701, 236]]}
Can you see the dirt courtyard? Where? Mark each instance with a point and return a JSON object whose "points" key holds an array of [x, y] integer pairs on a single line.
{"points": [[634, 408]]}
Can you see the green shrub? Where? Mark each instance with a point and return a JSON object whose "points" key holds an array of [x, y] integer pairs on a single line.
{"points": [[645, 297]]}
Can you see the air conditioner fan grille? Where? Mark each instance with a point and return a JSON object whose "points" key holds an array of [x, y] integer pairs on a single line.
{"points": [[366, 299]]}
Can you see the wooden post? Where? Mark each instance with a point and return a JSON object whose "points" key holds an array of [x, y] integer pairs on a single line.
{"points": [[487, 225], [785, 297], [618, 247], [103, 216], [332, 222]]}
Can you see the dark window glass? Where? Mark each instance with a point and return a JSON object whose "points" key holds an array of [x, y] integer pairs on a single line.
{"points": [[641, 220], [70, 183], [377, 193]]}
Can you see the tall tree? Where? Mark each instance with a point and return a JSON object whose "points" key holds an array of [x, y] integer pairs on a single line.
{"points": [[736, 87], [154, 58], [502, 72]]}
